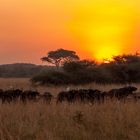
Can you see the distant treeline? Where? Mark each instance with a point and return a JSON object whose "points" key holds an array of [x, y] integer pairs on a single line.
{"points": [[122, 69], [21, 70], [65, 67]]}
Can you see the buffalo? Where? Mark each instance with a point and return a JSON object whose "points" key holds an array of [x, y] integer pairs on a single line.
{"points": [[29, 95], [82, 95], [121, 93], [47, 97], [10, 95], [70, 96]]}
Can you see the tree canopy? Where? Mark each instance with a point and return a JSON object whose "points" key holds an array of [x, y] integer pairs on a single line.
{"points": [[59, 56], [123, 59]]}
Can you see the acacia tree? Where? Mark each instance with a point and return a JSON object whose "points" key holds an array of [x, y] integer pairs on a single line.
{"points": [[126, 59], [59, 56]]}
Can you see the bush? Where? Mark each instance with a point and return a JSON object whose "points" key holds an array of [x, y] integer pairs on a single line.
{"points": [[79, 66], [51, 77]]}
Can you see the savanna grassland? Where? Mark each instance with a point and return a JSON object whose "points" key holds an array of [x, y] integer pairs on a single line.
{"points": [[38, 121]]}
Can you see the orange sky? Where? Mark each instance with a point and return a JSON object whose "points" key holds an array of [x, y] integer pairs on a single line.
{"points": [[99, 29]]}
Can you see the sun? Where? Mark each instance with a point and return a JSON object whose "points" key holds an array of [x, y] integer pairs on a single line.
{"points": [[106, 52], [105, 26]]}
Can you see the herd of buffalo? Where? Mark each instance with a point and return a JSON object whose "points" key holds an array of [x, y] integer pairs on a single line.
{"points": [[71, 96]]}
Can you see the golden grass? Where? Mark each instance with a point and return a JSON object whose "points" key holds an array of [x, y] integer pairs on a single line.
{"points": [[39, 121]]}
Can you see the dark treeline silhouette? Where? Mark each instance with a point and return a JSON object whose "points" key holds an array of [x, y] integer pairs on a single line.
{"points": [[122, 69]]}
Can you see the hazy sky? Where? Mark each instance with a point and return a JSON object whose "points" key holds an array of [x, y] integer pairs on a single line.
{"points": [[99, 29]]}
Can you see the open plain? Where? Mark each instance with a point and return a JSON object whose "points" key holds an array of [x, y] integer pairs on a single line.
{"points": [[39, 121]]}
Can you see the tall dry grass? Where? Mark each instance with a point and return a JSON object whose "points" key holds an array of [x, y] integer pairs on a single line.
{"points": [[39, 121]]}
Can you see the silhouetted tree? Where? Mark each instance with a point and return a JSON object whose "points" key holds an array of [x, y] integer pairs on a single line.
{"points": [[132, 58], [123, 59], [79, 66], [60, 56]]}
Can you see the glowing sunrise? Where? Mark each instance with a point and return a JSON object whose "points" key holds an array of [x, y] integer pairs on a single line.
{"points": [[95, 30]]}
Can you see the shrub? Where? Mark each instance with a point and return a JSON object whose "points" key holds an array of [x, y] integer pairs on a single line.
{"points": [[51, 77]]}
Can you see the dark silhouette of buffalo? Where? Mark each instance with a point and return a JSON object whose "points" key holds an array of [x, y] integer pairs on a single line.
{"points": [[71, 96], [1, 93], [121, 93], [16, 94], [10, 95], [82, 95], [29, 95], [47, 97]]}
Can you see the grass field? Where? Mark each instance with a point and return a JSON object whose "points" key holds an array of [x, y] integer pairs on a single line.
{"points": [[39, 121]]}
